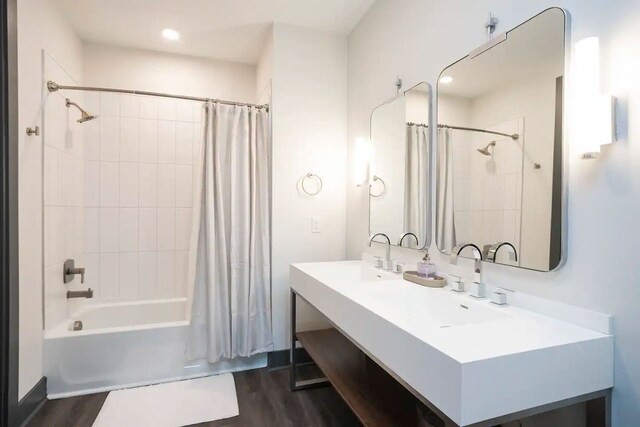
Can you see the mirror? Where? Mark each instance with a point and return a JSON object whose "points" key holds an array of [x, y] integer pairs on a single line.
{"points": [[399, 171], [499, 141]]}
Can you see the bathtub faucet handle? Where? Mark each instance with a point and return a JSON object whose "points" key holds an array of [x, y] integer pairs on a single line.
{"points": [[69, 271]]}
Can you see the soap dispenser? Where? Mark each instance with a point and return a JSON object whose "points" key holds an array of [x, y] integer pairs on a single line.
{"points": [[425, 267]]}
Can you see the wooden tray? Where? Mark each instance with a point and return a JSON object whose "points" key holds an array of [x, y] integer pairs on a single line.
{"points": [[437, 282]]}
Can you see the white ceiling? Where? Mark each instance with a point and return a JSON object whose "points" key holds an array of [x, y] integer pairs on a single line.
{"points": [[231, 30]]}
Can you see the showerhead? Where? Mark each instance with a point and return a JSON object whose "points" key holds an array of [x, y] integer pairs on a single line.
{"points": [[485, 150], [85, 116]]}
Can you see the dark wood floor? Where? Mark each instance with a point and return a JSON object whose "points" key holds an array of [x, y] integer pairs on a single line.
{"points": [[264, 399]]}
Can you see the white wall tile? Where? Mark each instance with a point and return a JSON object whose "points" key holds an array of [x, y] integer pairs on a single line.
{"points": [[128, 229], [109, 104], [148, 107], [129, 139], [166, 272], [184, 110], [148, 191], [166, 229], [128, 277], [147, 274], [109, 184], [109, 138], [92, 273], [184, 186], [183, 228], [148, 141], [180, 276], [166, 109], [91, 230], [184, 143], [66, 182], [129, 177], [109, 275], [147, 229], [92, 103], [166, 141], [91, 136], [109, 229], [91, 183], [129, 106], [166, 186], [50, 175]]}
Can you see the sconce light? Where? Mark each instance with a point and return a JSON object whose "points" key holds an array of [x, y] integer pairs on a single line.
{"points": [[594, 110], [362, 161]]}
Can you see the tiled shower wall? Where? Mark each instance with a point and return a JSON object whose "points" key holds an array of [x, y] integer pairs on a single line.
{"points": [[138, 180]]}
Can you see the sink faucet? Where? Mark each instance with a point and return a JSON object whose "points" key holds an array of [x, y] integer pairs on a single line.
{"points": [[493, 251], [80, 294], [408, 234], [388, 265], [477, 255]]}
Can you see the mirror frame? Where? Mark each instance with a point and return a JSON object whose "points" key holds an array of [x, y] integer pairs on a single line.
{"points": [[558, 211], [430, 147]]}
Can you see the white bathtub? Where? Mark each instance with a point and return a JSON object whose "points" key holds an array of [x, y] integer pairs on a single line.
{"points": [[124, 345]]}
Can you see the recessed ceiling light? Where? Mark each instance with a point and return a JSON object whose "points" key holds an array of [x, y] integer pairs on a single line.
{"points": [[446, 79], [170, 34]]}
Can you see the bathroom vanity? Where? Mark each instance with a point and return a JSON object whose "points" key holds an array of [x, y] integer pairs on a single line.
{"points": [[467, 360]]}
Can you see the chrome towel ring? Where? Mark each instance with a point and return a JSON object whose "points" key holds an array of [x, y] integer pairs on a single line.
{"points": [[312, 176], [384, 187]]}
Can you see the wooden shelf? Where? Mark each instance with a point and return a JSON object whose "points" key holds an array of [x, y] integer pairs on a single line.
{"points": [[375, 397]]}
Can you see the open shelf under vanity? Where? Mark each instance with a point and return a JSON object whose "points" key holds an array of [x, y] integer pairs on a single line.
{"points": [[373, 395]]}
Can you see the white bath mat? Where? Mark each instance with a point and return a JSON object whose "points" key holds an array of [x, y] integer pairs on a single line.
{"points": [[173, 404]]}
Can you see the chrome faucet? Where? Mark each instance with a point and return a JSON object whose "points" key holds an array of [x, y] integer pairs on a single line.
{"points": [[493, 251], [80, 294], [408, 234], [387, 265], [477, 255]]}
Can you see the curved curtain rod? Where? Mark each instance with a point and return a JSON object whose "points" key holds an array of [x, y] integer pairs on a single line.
{"points": [[54, 87], [514, 136]]}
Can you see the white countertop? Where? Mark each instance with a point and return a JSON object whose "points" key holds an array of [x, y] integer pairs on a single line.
{"points": [[464, 346]]}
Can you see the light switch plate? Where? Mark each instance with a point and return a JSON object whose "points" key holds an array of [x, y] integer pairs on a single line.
{"points": [[315, 224]]}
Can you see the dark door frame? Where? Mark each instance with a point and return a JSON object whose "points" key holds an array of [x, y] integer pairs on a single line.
{"points": [[8, 214]]}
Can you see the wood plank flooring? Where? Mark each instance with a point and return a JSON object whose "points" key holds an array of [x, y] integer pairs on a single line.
{"points": [[264, 399]]}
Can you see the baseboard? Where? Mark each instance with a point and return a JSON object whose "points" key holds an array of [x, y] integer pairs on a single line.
{"points": [[32, 401], [280, 359]]}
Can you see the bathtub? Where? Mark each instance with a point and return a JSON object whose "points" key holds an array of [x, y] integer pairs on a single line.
{"points": [[125, 345]]}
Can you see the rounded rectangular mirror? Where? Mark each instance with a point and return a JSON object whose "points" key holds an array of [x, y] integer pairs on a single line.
{"points": [[499, 142], [399, 172]]}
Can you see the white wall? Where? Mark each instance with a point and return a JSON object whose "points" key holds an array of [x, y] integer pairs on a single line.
{"points": [[126, 68], [39, 27], [416, 39], [309, 135]]}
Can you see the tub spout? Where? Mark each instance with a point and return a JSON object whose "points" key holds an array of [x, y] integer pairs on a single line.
{"points": [[80, 294]]}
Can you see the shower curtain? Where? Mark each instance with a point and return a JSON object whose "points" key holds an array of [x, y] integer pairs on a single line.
{"points": [[416, 180], [445, 224], [229, 258]]}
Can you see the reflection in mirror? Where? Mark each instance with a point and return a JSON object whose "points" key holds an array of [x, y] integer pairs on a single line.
{"points": [[399, 184], [499, 165]]}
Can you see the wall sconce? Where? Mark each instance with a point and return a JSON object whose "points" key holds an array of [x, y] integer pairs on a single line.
{"points": [[594, 118], [362, 161]]}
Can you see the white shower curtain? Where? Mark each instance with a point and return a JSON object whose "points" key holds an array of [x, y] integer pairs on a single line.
{"points": [[445, 221], [229, 257], [416, 182]]}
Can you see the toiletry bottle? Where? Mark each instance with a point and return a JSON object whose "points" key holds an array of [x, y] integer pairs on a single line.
{"points": [[423, 266]]}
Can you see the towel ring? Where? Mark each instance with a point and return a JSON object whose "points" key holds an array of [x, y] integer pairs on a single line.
{"points": [[308, 176], [384, 187]]}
